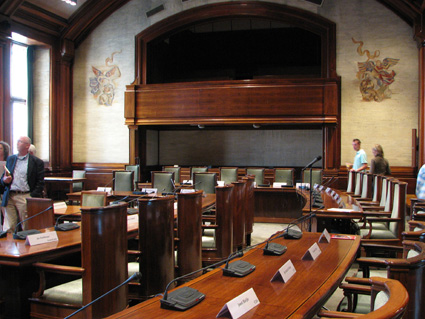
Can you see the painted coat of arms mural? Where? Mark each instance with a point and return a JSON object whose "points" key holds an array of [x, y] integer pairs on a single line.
{"points": [[375, 75], [104, 83]]}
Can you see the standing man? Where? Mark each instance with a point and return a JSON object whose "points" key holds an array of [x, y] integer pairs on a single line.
{"points": [[360, 160], [420, 183], [23, 178]]}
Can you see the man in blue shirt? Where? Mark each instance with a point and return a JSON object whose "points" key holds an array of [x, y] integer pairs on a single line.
{"points": [[420, 183], [360, 160]]}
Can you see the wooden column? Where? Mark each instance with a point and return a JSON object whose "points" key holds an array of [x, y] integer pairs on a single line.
{"points": [[189, 232], [156, 233]]}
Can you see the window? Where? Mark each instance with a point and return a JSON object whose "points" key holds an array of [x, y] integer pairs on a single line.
{"points": [[19, 92]]}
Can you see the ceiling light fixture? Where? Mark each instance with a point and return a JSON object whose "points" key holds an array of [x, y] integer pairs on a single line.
{"points": [[71, 2]]}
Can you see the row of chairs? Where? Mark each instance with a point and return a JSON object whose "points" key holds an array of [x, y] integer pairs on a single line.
{"points": [[387, 246]]}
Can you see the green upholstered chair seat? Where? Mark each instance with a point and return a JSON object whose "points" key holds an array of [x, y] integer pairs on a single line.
{"points": [[69, 293], [124, 181], [284, 176], [133, 267], [203, 169], [209, 232], [78, 187], [208, 242], [378, 234], [228, 175], [205, 181], [93, 199], [163, 181], [258, 173], [175, 170]]}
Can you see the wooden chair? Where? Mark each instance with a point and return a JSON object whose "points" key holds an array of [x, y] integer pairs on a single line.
{"points": [[93, 198], [222, 225], [378, 188], [205, 181], [176, 170], [284, 175], [136, 170], [351, 182], [228, 174], [163, 181], [78, 187], [104, 266], [317, 176], [367, 187], [387, 226], [408, 268], [35, 206], [197, 169], [123, 181], [416, 231], [156, 240], [189, 232], [389, 300], [258, 173]]}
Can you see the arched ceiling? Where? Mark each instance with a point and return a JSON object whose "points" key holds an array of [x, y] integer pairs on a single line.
{"points": [[53, 19]]}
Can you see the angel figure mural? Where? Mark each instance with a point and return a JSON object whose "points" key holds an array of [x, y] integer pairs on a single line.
{"points": [[103, 84], [375, 75]]}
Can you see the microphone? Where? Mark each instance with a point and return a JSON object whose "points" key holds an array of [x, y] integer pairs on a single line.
{"points": [[119, 201], [136, 276], [239, 268], [104, 187], [318, 158], [293, 233], [187, 297], [274, 249], [24, 233], [65, 226]]}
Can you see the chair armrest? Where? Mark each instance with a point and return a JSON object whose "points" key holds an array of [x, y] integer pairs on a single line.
{"points": [[42, 268], [376, 213], [209, 226], [336, 314], [358, 281], [59, 269]]}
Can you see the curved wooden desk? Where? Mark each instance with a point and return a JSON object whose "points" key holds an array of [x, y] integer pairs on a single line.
{"points": [[301, 297]]}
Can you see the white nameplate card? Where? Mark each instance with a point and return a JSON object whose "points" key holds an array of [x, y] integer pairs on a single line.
{"points": [[285, 272], [240, 305], [42, 238], [133, 218], [175, 205], [328, 190], [312, 253], [59, 206], [325, 237], [187, 190], [278, 185], [340, 210], [220, 183], [187, 182], [105, 189], [150, 190]]}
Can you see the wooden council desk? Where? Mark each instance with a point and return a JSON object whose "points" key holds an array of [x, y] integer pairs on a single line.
{"points": [[301, 297], [17, 274]]}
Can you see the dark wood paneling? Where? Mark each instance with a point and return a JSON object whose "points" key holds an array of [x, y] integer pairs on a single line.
{"points": [[250, 101]]}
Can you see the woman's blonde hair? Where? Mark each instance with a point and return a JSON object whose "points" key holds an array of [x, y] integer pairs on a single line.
{"points": [[378, 148]]}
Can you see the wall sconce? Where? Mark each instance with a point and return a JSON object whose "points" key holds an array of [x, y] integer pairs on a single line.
{"points": [[71, 2]]}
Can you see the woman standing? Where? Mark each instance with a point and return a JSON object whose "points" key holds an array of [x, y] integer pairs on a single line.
{"points": [[4, 153], [378, 164]]}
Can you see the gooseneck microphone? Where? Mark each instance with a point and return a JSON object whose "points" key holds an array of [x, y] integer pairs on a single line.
{"points": [[136, 276], [318, 158], [65, 226], [239, 268], [24, 233], [187, 297]]}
